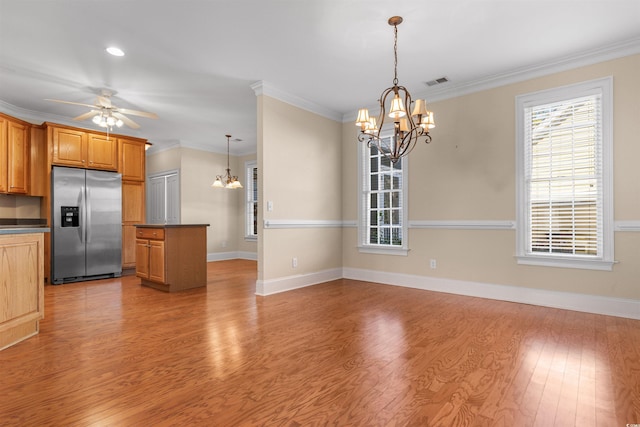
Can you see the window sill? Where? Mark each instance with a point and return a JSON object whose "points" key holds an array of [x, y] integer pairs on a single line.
{"points": [[383, 250], [566, 262]]}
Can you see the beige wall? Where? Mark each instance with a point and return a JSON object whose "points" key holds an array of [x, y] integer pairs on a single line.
{"points": [[299, 162], [468, 173], [200, 203], [19, 206]]}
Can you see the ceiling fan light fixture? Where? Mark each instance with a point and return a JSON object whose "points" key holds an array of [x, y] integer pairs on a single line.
{"points": [[115, 51]]}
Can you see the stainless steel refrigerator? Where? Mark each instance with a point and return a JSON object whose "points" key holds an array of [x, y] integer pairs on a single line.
{"points": [[86, 231]]}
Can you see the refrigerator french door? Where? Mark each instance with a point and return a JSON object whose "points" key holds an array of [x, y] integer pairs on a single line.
{"points": [[86, 237]]}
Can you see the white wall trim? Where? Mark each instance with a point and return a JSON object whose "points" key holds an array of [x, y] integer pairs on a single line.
{"points": [[265, 88], [618, 307], [464, 224], [627, 226], [467, 224], [283, 284], [302, 223], [224, 256]]}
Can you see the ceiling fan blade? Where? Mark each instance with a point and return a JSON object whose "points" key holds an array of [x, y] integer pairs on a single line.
{"points": [[127, 121], [72, 103], [104, 102], [138, 113], [86, 116]]}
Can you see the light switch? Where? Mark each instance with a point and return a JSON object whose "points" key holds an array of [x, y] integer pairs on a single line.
{"points": [[269, 206]]}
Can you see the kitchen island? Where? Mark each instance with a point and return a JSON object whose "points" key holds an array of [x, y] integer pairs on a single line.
{"points": [[21, 282], [171, 257]]}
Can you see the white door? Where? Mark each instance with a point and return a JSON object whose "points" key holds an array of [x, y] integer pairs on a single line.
{"points": [[163, 198]]}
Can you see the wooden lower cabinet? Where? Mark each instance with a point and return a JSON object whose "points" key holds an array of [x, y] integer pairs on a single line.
{"points": [[21, 286], [172, 257]]}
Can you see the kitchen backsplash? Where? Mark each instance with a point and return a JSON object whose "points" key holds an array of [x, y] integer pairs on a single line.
{"points": [[19, 206]]}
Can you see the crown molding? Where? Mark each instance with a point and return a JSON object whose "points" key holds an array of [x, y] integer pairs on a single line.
{"points": [[264, 88], [593, 56], [37, 118], [34, 117]]}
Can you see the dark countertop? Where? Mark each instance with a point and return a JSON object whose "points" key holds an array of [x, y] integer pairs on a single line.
{"points": [[21, 229], [23, 225], [169, 225]]}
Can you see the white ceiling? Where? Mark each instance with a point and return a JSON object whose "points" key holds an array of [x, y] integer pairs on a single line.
{"points": [[193, 61]]}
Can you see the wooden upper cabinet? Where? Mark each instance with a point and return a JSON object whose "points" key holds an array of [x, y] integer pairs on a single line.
{"points": [[132, 159], [69, 147], [102, 152], [14, 156], [3, 155], [18, 157], [72, 147]]}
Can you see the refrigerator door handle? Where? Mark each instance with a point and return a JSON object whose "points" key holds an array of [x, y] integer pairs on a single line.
{"points": [[83, 215], [88, 208]]}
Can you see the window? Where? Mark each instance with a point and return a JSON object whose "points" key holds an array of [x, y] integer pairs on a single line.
{"points": [[251, 207], [564, 173], [382, 226]]}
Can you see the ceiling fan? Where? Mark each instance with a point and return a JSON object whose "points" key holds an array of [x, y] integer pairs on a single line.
{"points": [[105, 114]]}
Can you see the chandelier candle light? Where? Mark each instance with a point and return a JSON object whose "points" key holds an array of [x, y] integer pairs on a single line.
{"points": [[227, 180], [407, 129]]}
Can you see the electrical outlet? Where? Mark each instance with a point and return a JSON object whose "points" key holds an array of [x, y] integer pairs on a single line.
{"points": [[224, 243], [433, 264], [269, 206], [294, 262]]}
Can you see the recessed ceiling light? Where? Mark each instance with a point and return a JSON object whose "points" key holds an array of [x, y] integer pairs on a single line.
{"points": [[115, 51]]}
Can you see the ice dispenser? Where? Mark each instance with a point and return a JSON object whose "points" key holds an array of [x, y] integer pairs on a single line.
{"points": [[69, 216]]}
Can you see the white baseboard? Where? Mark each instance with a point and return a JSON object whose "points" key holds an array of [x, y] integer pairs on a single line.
{"points": [[618, 307], [224, 256], [283, 284]]}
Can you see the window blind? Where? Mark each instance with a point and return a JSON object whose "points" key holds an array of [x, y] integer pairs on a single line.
{"points": [[563, 174]]}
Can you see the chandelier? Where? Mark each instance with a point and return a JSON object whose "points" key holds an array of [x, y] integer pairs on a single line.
{"points": [[407, 129], [227, 180], [106, 119]]}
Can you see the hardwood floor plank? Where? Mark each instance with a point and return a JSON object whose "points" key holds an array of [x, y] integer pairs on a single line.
{"points": [[345, 352]]}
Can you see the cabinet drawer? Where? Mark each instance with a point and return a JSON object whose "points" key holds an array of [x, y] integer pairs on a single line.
{"points": [[150, 233]]}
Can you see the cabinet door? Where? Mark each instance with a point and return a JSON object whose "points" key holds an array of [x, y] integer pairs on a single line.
{"points": [[132, 213], [156, 260], [69, 147], [17, 158], [133, 202], [132, 160], [102, 152], [128, 246], [142, 258], [3, 155]]}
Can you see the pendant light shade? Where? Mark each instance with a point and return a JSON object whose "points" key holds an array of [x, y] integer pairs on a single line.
{"points": [[227, 180]]}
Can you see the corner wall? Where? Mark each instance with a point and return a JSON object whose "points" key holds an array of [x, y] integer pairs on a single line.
{"points": [[300, 171]]}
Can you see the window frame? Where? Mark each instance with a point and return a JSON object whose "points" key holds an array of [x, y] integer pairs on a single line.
{"points": [[363, 214], [250, 215], [605, 260]]}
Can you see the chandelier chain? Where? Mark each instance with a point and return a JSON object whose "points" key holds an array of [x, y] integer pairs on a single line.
{"points": [[395, 55]]}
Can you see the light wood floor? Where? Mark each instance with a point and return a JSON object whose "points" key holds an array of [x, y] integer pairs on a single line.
{"points": [[343, 353]]}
